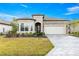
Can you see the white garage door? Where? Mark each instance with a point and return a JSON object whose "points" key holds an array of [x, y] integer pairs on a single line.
{"points": [[55, 30]]}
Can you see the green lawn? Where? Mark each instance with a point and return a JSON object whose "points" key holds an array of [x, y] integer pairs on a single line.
{"points": [[29, 46]]}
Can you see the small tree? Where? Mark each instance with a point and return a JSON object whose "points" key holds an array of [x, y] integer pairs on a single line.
{"points": [[14, 27]]}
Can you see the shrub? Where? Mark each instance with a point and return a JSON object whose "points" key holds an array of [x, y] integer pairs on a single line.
{"points": [[9, 34], [75, 34], [1, 34], [39, 34], [17, 35], [13, 32], [30, 34], [23, 35]]}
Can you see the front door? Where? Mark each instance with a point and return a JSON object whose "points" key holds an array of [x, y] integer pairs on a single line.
{"points": [[38, 27]]}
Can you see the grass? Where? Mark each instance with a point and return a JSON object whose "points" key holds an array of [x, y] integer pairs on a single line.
{"points": [[29, 46]]}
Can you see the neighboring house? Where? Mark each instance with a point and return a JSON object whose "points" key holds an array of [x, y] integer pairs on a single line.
{"points": [[38, 23], [74, 26], [4, 27]]}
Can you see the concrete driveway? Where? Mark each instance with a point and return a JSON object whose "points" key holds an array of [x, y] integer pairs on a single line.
{"points": [[64, 45]]}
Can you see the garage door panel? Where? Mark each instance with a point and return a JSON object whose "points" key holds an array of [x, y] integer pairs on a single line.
{"points": [[55, 30]]}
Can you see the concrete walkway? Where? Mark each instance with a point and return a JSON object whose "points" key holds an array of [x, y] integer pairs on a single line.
{"points": [[64, 45]]}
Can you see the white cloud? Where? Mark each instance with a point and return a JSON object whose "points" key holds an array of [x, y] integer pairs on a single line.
{"points": [[25, 6], [75, 8], [72, 10], [7, 17]]}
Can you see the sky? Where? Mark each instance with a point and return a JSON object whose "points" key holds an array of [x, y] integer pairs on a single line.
{"points": [[68, 11]]}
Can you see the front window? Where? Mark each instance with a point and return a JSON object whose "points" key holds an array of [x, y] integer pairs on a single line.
{"points": [[22, 26], [26, 28]]}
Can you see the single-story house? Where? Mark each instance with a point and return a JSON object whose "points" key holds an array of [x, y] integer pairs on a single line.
{"points": [[40, 23], [5, 27]]}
